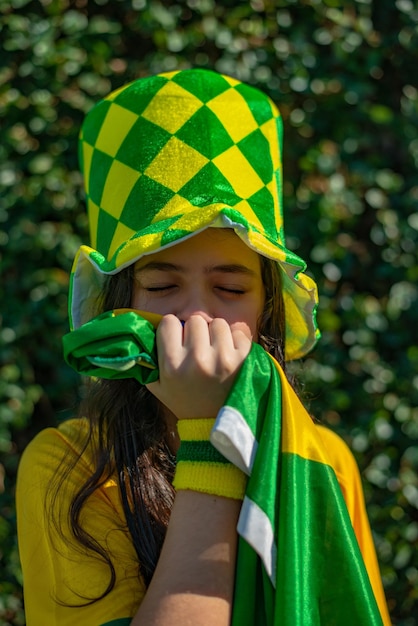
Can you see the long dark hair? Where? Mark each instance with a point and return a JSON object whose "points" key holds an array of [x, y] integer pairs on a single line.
{"points": [[128, 425]]}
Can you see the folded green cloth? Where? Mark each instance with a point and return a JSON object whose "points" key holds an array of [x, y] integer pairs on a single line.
{"points": [[116, 344]]}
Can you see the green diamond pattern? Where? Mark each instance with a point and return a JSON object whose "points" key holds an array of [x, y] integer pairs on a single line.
{"points": [[100, 166], [199, 86], [145, 193], [259, 106], [137, 96], [205, 133], [255, 148], [105, 228], [263, 206], [171, 235], [209, 177], [142, 130], [96, 117]]}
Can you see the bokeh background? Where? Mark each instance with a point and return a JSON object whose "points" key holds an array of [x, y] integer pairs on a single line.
{"points": [[344, 74]]}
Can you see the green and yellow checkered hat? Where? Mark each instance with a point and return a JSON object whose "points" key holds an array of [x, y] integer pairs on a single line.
{"points": [[167, 156]]}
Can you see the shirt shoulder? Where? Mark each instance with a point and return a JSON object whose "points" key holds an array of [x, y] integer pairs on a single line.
{"points": [[52, 445]]}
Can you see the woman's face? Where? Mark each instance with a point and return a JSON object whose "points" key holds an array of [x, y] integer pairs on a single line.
{"points": [[212, 274]]}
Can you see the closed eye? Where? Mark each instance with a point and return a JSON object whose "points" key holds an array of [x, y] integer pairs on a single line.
{"points": [[159, 288], [234, 290]]}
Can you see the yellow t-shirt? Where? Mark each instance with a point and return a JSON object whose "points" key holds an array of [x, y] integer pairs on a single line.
{"points": [[58, 572]]}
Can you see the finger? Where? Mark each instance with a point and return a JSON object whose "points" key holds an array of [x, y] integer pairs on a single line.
{"points": [[196, 334], [169, 341], [241, 327], [220, 335], [242, 339]]}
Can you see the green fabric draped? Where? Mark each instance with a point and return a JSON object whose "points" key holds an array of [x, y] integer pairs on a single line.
{"points": [[298, 561]]}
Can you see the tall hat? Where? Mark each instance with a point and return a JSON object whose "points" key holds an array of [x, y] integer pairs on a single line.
{"points": [[167, 156]]}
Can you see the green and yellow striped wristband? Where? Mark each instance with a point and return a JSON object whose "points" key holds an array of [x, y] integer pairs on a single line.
{"points": [[200, 467]]}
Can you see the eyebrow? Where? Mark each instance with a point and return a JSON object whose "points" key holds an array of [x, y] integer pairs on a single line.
{"points": [[226, 268]]}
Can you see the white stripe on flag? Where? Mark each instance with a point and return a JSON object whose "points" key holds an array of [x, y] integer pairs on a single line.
{"points": [[233, 438], [255, 527]]}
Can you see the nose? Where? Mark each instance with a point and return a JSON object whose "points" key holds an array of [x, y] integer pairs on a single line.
{"points": [[185, 315], [196, 303]]}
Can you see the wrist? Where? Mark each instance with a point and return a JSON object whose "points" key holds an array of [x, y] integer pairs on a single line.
{"points": [[200, 467]]}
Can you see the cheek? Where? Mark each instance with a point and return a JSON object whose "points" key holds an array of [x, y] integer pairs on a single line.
{"points": [[142, 301], [259, 312], [139, 299], [135, 302], [251, 316], [255, 326]]}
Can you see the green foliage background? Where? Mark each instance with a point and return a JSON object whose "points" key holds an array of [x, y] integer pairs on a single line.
{"points": [[344, 76]]}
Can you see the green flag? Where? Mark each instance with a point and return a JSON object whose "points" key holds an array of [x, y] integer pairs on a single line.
{"points": [[299, 562]]}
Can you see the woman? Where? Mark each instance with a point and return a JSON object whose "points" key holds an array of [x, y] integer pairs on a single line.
{"points": [[183, 182]]}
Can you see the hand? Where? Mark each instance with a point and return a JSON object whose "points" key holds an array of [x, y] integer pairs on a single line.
{"points": [[198, 363]]}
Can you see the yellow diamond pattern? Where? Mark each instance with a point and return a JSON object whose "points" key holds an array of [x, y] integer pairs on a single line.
{"points": [[193, 220], [171, 107], [170, 75], [269, 130], [233, 112], [245, 209], [149, 242], [119, 182], [122, 233], [238, 171], [273, 189], [116, 126], [232, 81], [175, 164], [176, 206]]}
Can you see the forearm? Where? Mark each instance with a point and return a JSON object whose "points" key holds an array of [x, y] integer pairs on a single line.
{"points": [[194, 579]]}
